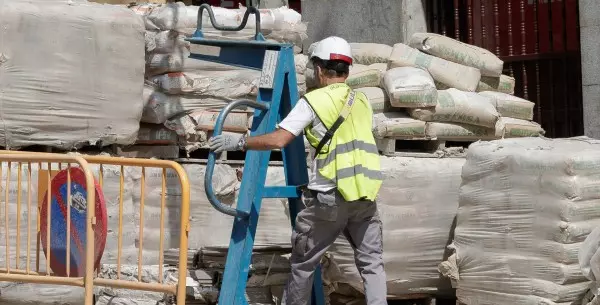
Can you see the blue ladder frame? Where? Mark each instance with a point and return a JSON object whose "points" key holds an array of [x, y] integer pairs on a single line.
{"points": [[277, 94]]}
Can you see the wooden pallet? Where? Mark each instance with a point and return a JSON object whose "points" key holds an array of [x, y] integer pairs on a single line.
{"points": [[202, 154], [421, 147]]}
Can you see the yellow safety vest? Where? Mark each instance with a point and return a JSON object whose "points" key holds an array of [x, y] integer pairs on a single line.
{"points": [[350, 159]]}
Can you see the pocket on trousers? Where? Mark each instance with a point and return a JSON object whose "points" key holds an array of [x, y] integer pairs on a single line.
{"points": [[300, 238], [326, 206]]}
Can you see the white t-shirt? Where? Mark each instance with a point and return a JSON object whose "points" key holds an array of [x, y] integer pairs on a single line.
{"points": [[301, 116]]}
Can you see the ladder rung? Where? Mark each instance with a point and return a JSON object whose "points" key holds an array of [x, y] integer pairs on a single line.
{"points": [[282, 192]]}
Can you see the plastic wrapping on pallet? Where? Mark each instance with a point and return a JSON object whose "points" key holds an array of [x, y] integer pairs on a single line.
{"points": [[458, 52], [301, 62], [280, 24], [410, 87], [446, 72], [180, 61], [459, 107], [521, 202], [220, 84], [156, 134], [165, 42], [510, 106], [417, 204], [159, 107], [60, 90], [589, 260]]}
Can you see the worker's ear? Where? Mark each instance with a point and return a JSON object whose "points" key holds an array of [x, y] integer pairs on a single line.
{"points": [[319, 76]]}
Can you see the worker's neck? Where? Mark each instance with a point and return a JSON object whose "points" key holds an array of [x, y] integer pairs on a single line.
{"points": [[334, 80]]}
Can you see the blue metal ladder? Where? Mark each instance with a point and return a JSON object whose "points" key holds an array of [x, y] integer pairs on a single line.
{"points": [[277, 94]]}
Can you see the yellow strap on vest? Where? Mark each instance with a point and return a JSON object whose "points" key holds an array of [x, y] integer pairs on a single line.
{"points": [[344, 113]]}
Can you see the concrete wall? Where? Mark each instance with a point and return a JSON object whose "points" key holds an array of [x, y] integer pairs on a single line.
{"points": [[379, 21], [589, 18]]}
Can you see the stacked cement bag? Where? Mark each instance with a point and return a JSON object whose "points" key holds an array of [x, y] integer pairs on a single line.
{"points": [[437, 88], [589, 261], [525, 207], [184, 95], [58, 88], [417, 204], [437, 79]]}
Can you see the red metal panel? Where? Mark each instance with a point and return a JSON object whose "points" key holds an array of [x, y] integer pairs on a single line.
{"points": [[543, 13], [539, 42], [530, 24], [558, 25], [503, 24], [572, 24], [295, 5]]}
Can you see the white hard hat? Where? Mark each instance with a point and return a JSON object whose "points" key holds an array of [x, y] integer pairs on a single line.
{"points": [[332, 48]]}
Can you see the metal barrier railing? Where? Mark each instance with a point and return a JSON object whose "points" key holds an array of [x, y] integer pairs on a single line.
{"points": [[123, 168]]}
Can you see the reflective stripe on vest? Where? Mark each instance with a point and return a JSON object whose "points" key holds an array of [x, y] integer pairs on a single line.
{"points": [[350, 159]]}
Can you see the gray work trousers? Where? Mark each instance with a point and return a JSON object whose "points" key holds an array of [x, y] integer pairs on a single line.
{"points": [[317, 226]]}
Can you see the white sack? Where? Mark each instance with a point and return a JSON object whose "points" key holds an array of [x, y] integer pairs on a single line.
{"points": [[459, 107], [179, 61], [366, 76], [219, 84], [504, 84], [301, 81], [156, 134], [370, 53], [159, 107], [458, 52], [377, 98], [448, 73], [515, 128], [234, 122], [417, 204], [397, 125], [71, 74], [311, 81], [300, 61], [280, 24], [510, 106], [460, 132], [589, 259], [512, 201], [165, 42], [410, 87]]}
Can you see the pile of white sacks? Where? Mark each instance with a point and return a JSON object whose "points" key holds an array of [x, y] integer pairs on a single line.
{"points": [[417, 204], [182, 95], [525, 208], [437, 87]]}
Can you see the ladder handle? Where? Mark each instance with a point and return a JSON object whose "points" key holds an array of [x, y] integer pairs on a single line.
{"points": [[211, 15], [210, 166], [250, 3]]}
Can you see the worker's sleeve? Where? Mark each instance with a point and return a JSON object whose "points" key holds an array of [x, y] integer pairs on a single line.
{"points": [[300, 117]]}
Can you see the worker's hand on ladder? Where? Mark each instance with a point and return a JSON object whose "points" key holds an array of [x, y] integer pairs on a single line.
{"points": [[226, 142]]}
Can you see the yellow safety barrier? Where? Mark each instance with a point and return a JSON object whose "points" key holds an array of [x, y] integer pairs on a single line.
{"points": [[47, 165]]}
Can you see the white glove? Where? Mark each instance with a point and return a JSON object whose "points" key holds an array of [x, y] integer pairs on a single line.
{"points": [[225, 142]]}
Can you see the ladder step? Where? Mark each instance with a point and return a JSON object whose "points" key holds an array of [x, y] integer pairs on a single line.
{"points": [[282, 192]]}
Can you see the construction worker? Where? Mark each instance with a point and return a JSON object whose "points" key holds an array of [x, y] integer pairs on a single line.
{"points": [[345, 177]]}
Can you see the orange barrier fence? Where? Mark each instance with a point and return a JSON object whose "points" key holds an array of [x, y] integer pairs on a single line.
{"points": [[128, 205]]}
